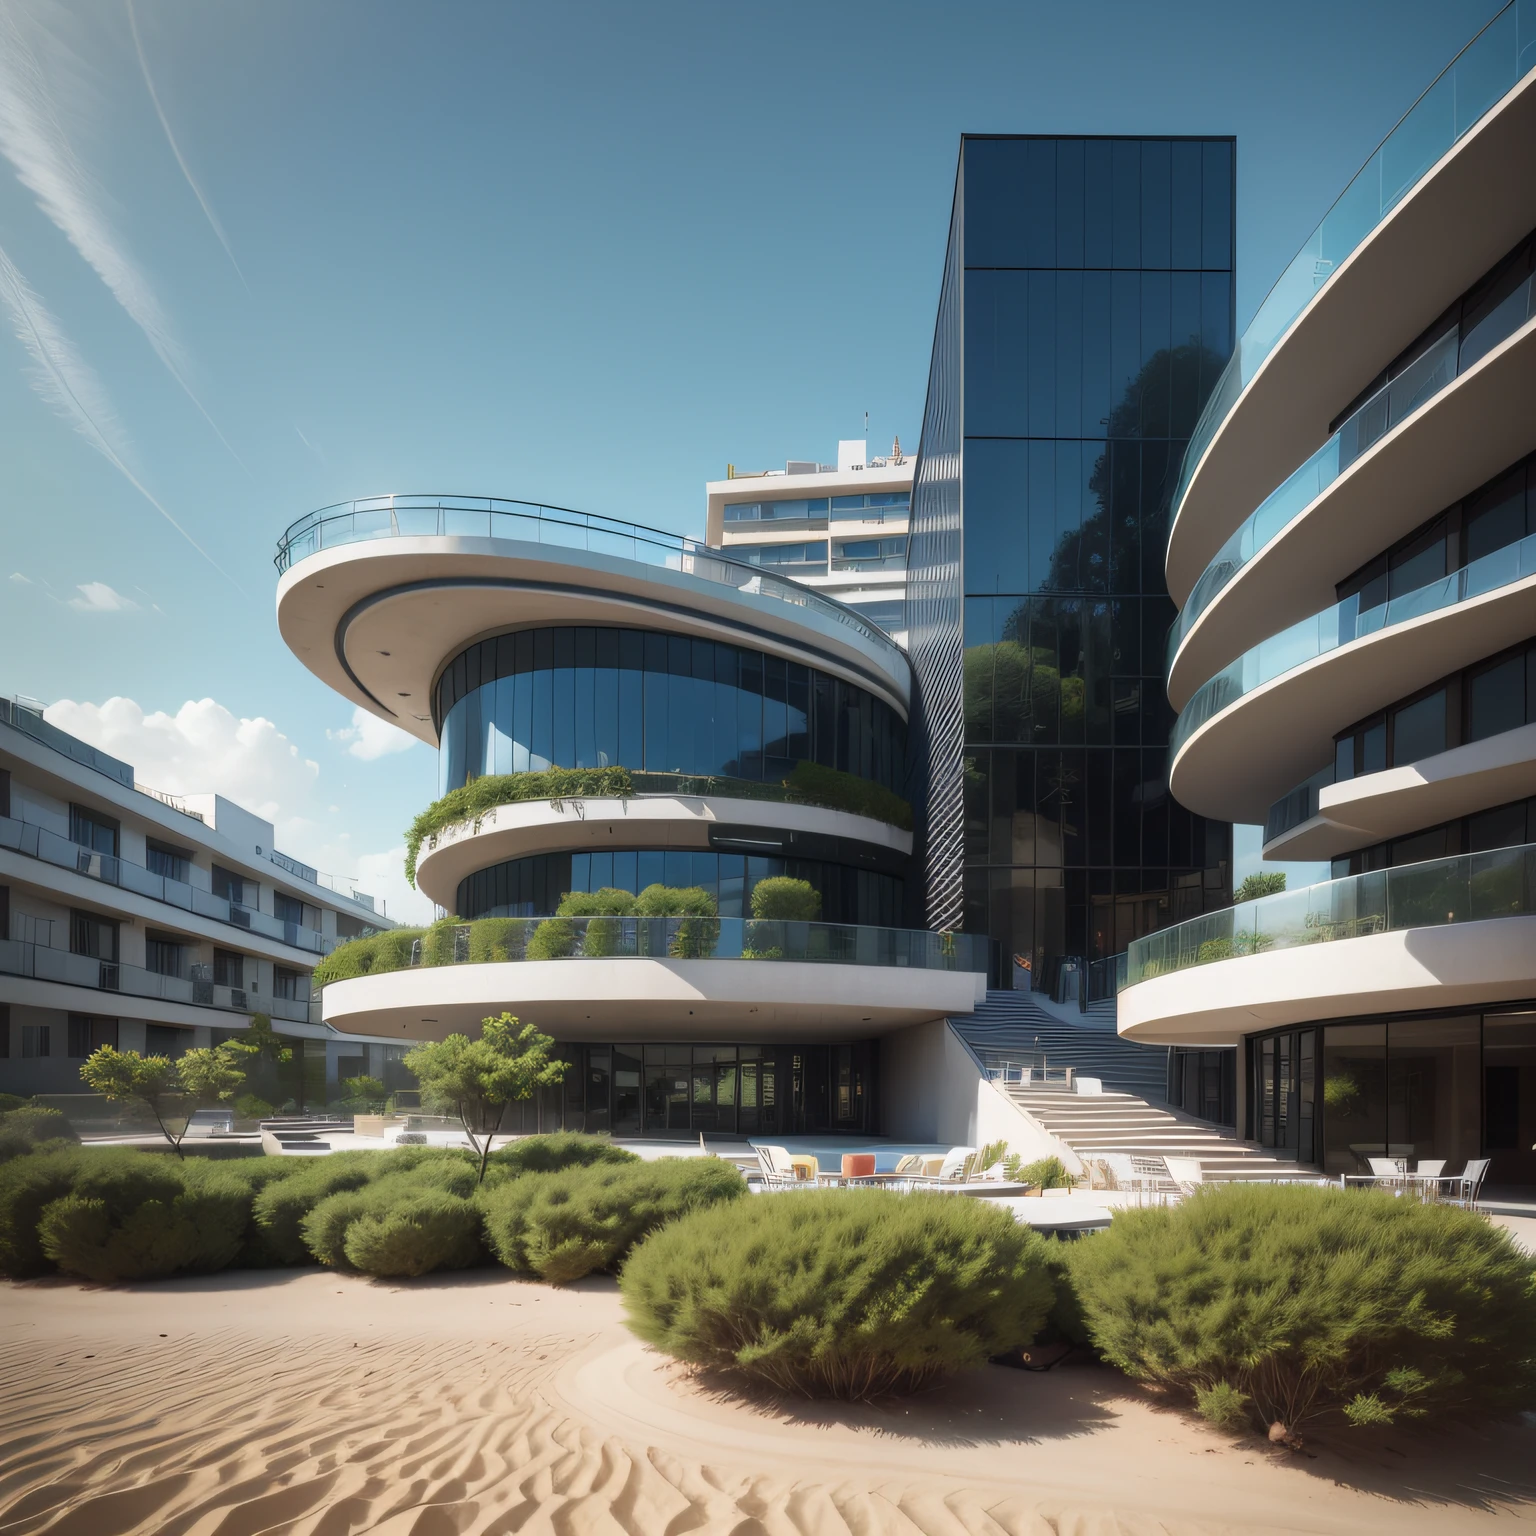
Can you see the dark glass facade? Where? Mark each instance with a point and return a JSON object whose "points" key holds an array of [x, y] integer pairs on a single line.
{"points": [[588, 697], [1087, 311], [533, 886]]}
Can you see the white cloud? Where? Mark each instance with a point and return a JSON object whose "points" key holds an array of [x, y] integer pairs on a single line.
{"points": [[205, 748], [98, 597], [369, 738], [20, 580]]}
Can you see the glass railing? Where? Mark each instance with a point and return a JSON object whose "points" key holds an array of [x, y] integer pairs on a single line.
{"points": [[1392, 404], [492, 517], [52, 848], [29, 720], [496, 939], [1297, 806], [1470, 888], [869, 562], [1344, 622], [1480, 76], [20, 957]]}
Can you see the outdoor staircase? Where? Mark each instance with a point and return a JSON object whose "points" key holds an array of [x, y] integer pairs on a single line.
{"points": [[1131, 1115]]}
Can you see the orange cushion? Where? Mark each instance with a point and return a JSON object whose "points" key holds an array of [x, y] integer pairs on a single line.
{"points": [[858, 1165]]}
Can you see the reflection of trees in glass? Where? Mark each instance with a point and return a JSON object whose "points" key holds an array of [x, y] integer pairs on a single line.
{"points": [[1080, 560], [1022, 683]]}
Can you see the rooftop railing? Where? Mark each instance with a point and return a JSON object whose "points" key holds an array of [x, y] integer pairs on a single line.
{"points": [[1474, 82], [1435, 369], [1469, 888], [1343, 623], [493, 517], [27, 717]]}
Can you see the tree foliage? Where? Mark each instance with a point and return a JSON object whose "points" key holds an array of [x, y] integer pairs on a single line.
{"points": [[169, 1090], [477, 1079], [1264, 883]]}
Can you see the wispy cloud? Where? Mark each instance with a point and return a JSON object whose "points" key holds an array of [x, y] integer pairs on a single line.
{"points": [[33, 139], [98, 597], [62, 377], [20, 580], [181, 159]]}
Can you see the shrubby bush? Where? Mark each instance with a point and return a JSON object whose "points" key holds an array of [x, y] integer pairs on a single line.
{"points": [[560, 1149], [388, 951], [1287, 1304], [30, 1127], [280, 1209], [28, 1185], [10, 1101], [561, 1226], [840, 1293], [129, 1216], [326, 1227]]}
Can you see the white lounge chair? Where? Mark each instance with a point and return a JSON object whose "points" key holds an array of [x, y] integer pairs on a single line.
{"points": [[957, 1167], [778, 1171], [1465, 1186], [1186, 1172]]}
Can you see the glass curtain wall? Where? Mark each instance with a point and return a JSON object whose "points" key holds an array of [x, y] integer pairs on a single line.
{"points": [[1098, 313], [585, 697], [533, 886], [679, 1090]]}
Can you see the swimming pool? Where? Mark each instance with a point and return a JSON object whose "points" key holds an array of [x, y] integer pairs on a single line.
{"points": [[829, 1153]]}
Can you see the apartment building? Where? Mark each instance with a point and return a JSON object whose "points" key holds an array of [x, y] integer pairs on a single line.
{"points": [[839, 527], [153, 922]]}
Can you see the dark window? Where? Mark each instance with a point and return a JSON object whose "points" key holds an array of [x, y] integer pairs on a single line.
{"points": [[88, 1034], [5, 911], [289, 909], [1418, 730], [171, 862], [1496, 517], [90, 829], [1373, 748], [165, 954], [1496, 699], [228, 968], [287, 983], [92, 935], [165, 1040], [233, 887], [36, 1040], [1419, 562], [5, 791], [1502, 827]]}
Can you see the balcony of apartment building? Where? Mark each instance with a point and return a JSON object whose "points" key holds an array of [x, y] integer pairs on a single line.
{"points": [[1449, 191]]}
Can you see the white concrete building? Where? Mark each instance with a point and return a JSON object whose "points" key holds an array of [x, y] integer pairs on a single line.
{"points": [[839, 527], [153, 922], [1353, 549]]}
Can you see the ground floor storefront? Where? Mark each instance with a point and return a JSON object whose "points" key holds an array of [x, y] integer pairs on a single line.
{"points": [[1450, 1085], [664, 1089]]}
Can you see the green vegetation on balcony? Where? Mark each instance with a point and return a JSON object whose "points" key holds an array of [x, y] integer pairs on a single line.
{"points": [[808, 784]]}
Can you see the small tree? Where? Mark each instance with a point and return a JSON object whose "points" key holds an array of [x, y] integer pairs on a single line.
{"points": [[785, 899], [477, 1079], [168, 1089], [1254, 886], [364, 1087]]}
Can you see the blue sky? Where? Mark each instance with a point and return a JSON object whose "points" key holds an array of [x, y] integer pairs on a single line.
{"points": [[261, 258]]}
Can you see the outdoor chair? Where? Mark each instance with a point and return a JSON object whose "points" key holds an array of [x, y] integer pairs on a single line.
{"points": [[958, 1165], [778, 1172], [1186, 1172], [1466, 1185]]}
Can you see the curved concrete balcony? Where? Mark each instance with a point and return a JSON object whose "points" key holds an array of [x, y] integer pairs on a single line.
{"points": [[1450, 190], [1251, 732], [1375, 806], [577, 825], [676, 979], [1450, 434], [376, 595], [1445, 934]]}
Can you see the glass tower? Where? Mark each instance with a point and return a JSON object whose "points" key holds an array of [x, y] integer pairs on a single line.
{"points": [[1086, 312]]}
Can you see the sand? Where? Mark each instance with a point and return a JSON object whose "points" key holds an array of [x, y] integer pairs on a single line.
{"points": [[313, 1403]]}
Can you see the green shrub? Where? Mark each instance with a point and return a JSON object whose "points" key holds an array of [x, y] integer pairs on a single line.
{"points": [[132, 1216], [817, 784], [30, 1127], [29, 1184], [10, 1101], [481, 795], [1043, 1173], [561, 1149], [563, 1225], [325, 1229], [249, 1107], [1311, 1302], [845, 1293], [785, 899], [494, 939], [375, 954]]}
